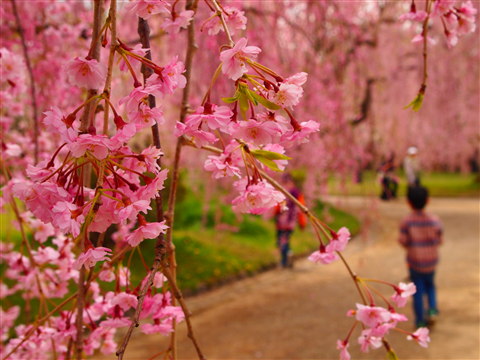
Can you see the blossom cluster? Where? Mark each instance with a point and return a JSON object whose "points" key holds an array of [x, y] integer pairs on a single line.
{"points": [[254, 131], [457, 20], [376, 321]]}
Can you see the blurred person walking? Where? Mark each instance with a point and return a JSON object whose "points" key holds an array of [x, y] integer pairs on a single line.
{"points": [[388, 180], [412, 167], [286, 217], [421, 236]]}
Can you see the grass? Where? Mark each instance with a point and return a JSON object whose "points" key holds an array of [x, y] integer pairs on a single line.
{"points": [[439, 184]]}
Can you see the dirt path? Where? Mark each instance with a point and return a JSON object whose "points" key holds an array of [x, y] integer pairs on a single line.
{"points": [[299, 314]]}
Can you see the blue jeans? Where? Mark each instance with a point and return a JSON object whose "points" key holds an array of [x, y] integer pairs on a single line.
{"points": [[283, 243], [425, 286]]}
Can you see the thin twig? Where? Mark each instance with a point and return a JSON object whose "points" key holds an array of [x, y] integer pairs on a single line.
{"points": [[428, 9], [219, 11], [93, 53], [33, 91], [112, 14]]}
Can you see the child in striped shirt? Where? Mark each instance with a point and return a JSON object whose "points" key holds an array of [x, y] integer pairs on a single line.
{"points": [[421, 236]]}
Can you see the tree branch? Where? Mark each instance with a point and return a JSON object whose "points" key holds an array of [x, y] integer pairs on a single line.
{"points": [[33, 91], [94, 53]]}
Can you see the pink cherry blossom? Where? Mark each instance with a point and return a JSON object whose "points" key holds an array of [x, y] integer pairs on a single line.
{"points": [[161, 328], [86, 73], [159, 279], [116, 323], [125, 301], [300, 136], [91, 257], [256, 132], [233, 60], [53, 120], [442, 6], [131, 210], [213, 116], [367, 341], [342, 346], [146, 8], [421, 336], [372, 316], [324, 256], [97, 145], [147, 231], [181, 21], [171, 78], [256, 198], [403, 292], [107, 275], [198, 137], [150, 155], [144, 116], [67, 217], [290, 91], [221, 166], [41, 197], [340, 240], [235, 20]]}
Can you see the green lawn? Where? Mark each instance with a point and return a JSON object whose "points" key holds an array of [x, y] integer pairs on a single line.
{"points": [[439, 184]]}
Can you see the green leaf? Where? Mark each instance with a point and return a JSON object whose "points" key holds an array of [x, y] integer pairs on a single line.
{"points": [[269, 163], [244, 105], [391, 355], [270, 155], [265, 102], [232, 99], [416, 104]]}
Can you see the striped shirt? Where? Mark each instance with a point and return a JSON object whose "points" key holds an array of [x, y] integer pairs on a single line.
{"points": [[421, 235]]}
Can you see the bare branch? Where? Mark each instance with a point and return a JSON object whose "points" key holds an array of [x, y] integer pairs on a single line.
{"points": [[33, 91]]}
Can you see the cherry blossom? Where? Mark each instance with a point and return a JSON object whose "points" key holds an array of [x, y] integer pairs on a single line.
{"points": [[342, 346], [233, 60], [325, 255], [256, 132], [147, 8], [372, 316], [421, 335], [256, 198], [91, 257], [146, 231], [181, 21], [367, 341], [402, 293], [234, 18], [86, 73]]}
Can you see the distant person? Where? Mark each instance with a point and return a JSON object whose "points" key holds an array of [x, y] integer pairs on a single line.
{"points": [[388, 180], [286, 217], [474, 164], [412, 167], [421, 236]]}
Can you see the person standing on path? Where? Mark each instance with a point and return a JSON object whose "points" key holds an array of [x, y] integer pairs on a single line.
{"points": [[286, 216], [411, 167], [421, 236]]}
